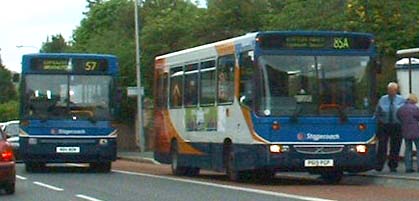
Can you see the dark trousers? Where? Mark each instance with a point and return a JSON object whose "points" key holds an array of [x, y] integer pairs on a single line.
{"points": [[386, 132]]}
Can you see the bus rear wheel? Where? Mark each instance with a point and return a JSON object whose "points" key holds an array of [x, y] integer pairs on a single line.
{"points": [[178, 169]]}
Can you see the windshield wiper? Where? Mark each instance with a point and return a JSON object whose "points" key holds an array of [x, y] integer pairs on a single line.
{"points": [[339, 108], [296, 114]]}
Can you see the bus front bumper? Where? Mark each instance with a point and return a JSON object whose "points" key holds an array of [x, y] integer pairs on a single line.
{"points": [[346, 160], [68, 150]]}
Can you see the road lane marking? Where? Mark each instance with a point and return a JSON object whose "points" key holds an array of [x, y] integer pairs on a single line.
{"points": [[21, 177], [48, 186], [250, 190], [87, 197]]}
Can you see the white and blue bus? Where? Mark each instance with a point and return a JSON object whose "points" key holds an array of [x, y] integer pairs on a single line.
{"points": [[267, 102], [66, 109]]}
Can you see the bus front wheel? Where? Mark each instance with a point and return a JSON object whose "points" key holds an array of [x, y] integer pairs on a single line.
{"points": [[34, 166], [104, 167], [332, 177], [232, 173]]}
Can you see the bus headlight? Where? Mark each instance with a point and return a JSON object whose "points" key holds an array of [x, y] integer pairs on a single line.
{"points": [[103, 141], [361, 149], [275, 148]]}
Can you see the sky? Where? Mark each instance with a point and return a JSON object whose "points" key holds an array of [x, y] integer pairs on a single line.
{"points": [[28, 23]]}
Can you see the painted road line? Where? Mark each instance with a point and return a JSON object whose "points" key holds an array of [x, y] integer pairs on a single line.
{"points": [[250, 190], [87, 197], [21, 178], [48, 186]]}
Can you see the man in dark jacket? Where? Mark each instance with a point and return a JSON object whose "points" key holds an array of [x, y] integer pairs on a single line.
{"points": [[389, 127], [409, 117]]}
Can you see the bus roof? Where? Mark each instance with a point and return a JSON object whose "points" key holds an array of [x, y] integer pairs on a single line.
{"points": [[57, 55], [247, 40], [408, 52]]}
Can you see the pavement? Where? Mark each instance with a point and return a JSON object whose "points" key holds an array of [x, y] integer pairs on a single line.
{"points": [[148, 157]]}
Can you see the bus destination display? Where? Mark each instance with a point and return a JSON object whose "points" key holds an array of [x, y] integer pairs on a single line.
{"points": [[69, 65], [272, 42]]}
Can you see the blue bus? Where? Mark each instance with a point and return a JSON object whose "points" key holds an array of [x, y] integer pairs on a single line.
{"points": [[67, 107], [266, 102]]}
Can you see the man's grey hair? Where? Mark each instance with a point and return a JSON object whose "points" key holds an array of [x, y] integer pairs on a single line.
{"points": [[392, 85]]}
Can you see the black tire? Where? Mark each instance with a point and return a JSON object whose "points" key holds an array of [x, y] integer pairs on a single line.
{"points": [[174, 154], [232, 173], [264, 174], [332, 177], [102, 167], [9, 188], [34, 167]]}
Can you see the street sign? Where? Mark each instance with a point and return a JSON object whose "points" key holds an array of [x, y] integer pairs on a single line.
{"points": [[133, 91]]}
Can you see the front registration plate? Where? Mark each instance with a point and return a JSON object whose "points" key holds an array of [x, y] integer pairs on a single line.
{"points": [[318, 163], [68, 149]]}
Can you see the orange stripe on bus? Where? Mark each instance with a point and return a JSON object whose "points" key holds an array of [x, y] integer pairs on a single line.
{"points": [[247, 117], [225, 49], [160, 63], [184, 147]]}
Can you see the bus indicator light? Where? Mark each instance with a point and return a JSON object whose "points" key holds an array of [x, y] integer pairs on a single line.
{"points": [[275, 126], [362, 127]]}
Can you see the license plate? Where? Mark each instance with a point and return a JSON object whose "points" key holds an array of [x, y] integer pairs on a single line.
{"points": [[318, 163], [68, 149]]}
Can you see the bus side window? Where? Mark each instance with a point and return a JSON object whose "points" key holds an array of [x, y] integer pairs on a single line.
{"points": [[191, 85], [225, 79], [246, 74], [207, 83], [176, 87]]}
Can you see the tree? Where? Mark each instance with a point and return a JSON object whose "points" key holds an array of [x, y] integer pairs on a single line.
{"points": [[8, 91], [56, 45]]}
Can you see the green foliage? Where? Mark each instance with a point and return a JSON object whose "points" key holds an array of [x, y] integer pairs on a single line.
{"points": [[9, 111], [56, 45], [7, 89], [171, 25], [394, 23]]}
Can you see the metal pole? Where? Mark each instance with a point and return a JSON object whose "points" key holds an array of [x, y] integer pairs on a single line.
{"points": [[410, 75], [141, 136]]}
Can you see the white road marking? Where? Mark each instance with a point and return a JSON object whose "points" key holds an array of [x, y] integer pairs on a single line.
{"points": [[87, 197], [285, 195], [48, 186], [21, 178]]}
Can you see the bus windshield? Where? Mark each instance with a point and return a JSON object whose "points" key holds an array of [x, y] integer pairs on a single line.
{"points": [[314, 85], [67, 97]]}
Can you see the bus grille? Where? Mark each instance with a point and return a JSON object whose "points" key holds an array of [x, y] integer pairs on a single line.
{"points": [[318, 149]]}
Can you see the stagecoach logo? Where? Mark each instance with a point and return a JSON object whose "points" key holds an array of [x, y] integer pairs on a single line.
{"points": [[317, 137], [67, 132]]}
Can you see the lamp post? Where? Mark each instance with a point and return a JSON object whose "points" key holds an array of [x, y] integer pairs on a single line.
{"points": [[141, 135], [27, 46]]}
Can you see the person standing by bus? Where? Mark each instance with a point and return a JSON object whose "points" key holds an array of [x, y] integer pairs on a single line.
{"points": [[409, 118], [389, 127]]}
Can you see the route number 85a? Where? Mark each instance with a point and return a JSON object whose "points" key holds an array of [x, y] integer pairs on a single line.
{"points": [[341, 43]]}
